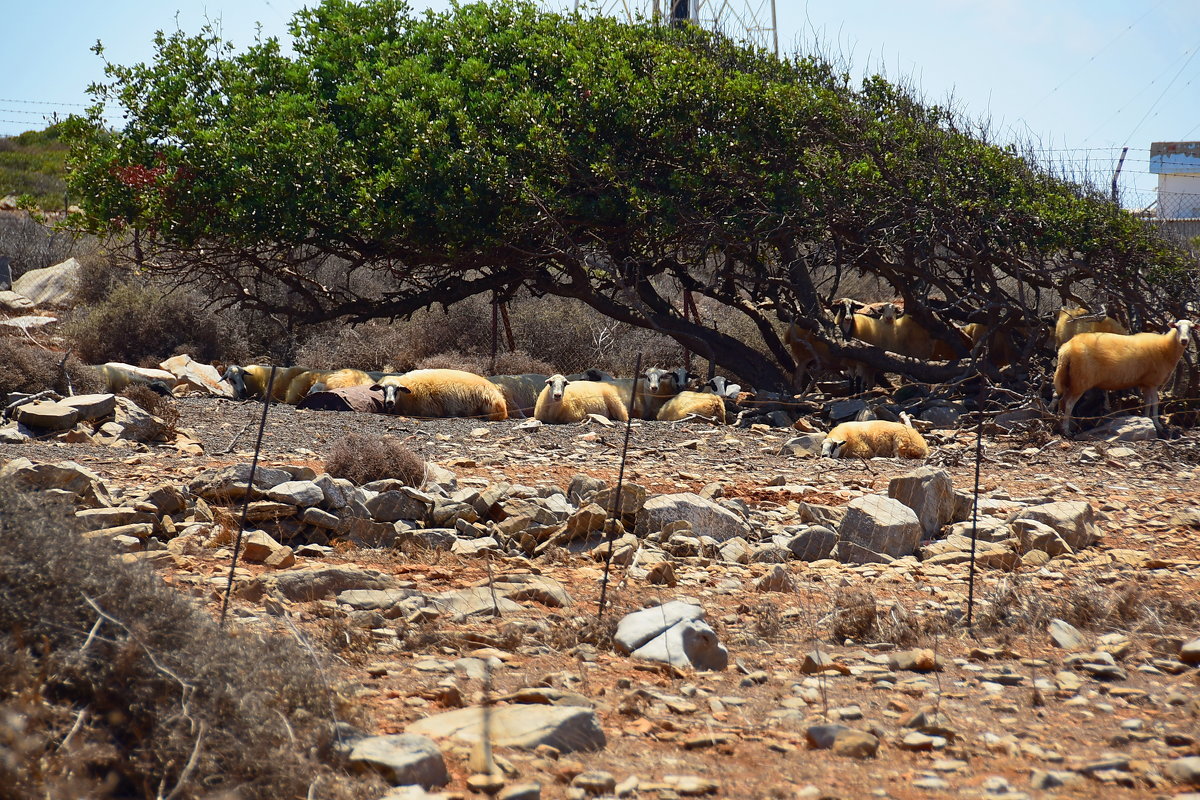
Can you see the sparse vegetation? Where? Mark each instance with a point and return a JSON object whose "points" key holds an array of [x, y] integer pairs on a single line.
{"points": [[363, 459], [34, 164], [113, 684], [26, 367], [141, 324]]}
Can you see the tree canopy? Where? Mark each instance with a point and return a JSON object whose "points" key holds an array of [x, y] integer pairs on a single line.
{"points": [[394, 160]]}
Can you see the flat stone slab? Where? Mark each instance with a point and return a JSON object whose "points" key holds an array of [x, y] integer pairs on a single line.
{"points": [[48, 415], [565, 728]]}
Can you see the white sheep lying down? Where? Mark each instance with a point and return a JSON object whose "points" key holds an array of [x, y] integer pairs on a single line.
{"points": [[563, 401], [117, 376], [1141, 361], [442, 393], [702, 404], [875, 437], [251, 380], [520, 391]]}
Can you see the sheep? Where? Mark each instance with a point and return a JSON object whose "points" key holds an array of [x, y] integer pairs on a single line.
{"points": [[118, 376], [1074, 321], [1118, 361], [703, 404], [1001, 350], [303, 383], [808, 350], [442, 393], [873, 438], [591, 374], [251, 381], [654, 388], [346, 378], [897, 332], [563, 400], [521, 391], [721, 387]]}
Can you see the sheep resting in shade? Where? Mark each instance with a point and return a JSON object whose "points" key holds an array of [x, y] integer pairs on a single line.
{"points": [[251, 380], [703, 404], [1141, 361], [872, 438], [442, 393], [571, 401]]}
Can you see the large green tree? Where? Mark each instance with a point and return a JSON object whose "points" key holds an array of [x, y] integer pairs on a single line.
{"points": [[395, 160]]}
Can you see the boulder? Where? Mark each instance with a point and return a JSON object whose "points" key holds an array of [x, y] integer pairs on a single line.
{"points": [[325, 582], [230, 483], [47, 415], [813, 543], [1123, 429], [1073, 520], [51, 286], [197, 375], [706, 517], [880, 525], [92, 406], [776, 580], [136, 423], [65, 476], [11, 301], [259, 548], [805, 445], [402, 759], [1033, 535], [399, 504], [691, 644], [524, 727], [303, 494], [635, 629], [929, 492]]}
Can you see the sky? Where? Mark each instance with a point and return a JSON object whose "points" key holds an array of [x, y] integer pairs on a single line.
{"points": [[1079, 79]]}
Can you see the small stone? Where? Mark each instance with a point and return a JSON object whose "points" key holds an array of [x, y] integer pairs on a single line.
{"points": [[486, 783], [1190, 652], [531, 790], [1066, 635], [1185, 770], [595, 782], [918, 660], [855, 744]]}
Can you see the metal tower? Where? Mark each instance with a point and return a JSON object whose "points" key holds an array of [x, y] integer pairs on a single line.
{"points": [[752, 21]]}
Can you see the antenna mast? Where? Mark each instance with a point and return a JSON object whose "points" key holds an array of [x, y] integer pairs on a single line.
{"points": [[751, 21]]}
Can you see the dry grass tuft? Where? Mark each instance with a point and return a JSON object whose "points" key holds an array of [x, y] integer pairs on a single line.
{"points": [[362, 459]]}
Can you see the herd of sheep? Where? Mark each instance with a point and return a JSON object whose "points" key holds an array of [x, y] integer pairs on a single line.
{"points": [[1094, 352]]}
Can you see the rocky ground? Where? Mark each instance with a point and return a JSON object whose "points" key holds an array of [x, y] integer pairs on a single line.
{"points": [[1011, 708]]}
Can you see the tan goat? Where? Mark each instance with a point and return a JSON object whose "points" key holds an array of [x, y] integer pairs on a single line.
{"points": [[1141, 361]]}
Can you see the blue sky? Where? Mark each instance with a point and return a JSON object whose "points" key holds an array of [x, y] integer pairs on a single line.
{"points": [[1078, 78]]}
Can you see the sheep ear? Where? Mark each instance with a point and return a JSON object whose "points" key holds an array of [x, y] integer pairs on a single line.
{"points": [[403, 389], [376, 387]]}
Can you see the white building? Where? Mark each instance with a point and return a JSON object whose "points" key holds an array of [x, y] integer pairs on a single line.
{"points": [[1177, 165]]}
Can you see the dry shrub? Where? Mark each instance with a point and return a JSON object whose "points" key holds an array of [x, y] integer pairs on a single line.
{"points": [[25, 367], [153, 697], [99, 277], [1015, 607], [362, 459], [518, 362], [853, 617], [139, 324], [367, 347], [453, 359]]}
